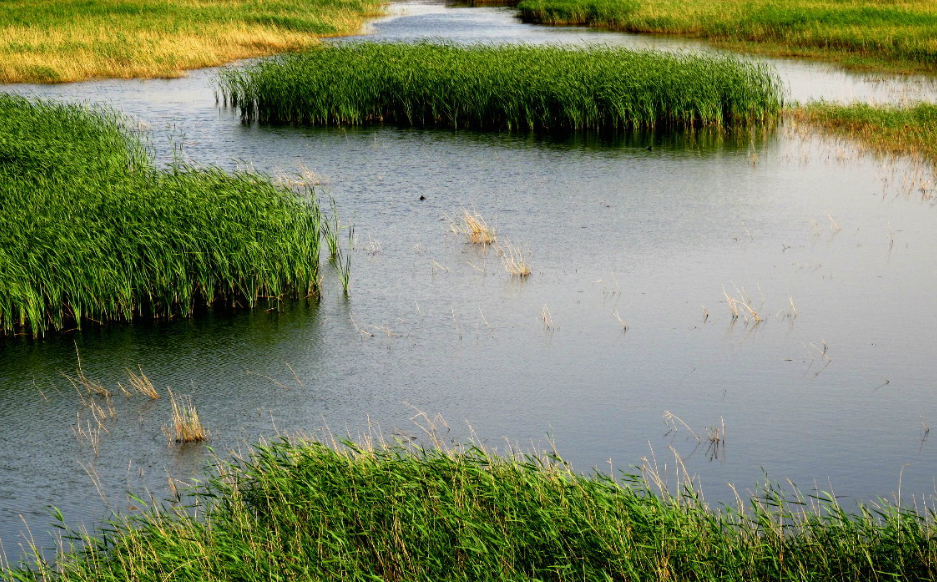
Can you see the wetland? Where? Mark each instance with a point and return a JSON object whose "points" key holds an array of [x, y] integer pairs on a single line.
{"points": [[767, 285]]}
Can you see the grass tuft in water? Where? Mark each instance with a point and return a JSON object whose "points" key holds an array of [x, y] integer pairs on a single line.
{"points": [[94, 232], [311, 511], [185, 426], [512, 87]]}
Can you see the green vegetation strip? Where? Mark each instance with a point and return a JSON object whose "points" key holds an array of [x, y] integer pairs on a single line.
{"points": [[93, 232], [503, 87], [908, 131], [871, 34], [308, 511]]}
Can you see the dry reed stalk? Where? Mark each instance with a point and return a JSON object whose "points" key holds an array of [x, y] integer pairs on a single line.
{"points": [[141, 384], [476, 228], [185, 427], [512, 257]]}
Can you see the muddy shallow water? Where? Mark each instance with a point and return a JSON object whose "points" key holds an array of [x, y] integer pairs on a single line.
{"points": [[833, 389]]}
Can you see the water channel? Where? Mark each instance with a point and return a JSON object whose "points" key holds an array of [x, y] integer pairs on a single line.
{"points": [[833, 390]]}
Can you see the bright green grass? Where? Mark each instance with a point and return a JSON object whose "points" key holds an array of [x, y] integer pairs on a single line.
{"points": [[92, 232], [308, 511], [907, 131], [503, 87], [894, 34]]}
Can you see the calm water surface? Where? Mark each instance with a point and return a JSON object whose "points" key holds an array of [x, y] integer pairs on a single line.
{"points": [[834, 389]]}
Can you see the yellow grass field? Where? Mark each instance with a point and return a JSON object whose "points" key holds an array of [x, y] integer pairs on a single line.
{"points": [[55, 41]]}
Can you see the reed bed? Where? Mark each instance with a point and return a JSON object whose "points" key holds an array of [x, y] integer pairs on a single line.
{"points": [[866, 34], [512, 87], [93, 232], [305, 510], [886, 130]]}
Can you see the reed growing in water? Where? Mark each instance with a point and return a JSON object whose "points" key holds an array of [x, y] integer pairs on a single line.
{"points": [[511, 87], [93, 232], [893, 130], [312, 511]]}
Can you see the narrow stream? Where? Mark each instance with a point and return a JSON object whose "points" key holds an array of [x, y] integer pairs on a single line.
{"points": [[833, 390]]}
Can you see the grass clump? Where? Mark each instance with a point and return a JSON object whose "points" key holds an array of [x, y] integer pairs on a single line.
{"points": [[889, 130], [894, 35], [511, 87], [54, 41], [185, 425], [474, 227], [94, 232], [311, 511]]}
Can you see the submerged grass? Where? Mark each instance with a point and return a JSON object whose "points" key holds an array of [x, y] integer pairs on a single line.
{"points": [[890, 130], [503, 87], [311, 511], [869, 34], [93, 232], [53, 41]]}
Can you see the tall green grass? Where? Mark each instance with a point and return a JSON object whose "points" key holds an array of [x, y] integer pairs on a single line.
{"points": [[311, 511], [93, 232], [503, 87]]}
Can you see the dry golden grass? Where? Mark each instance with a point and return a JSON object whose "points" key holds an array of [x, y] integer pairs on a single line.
{"points": [[185, 425], [60, 41], [513, 260], [476, 228]]}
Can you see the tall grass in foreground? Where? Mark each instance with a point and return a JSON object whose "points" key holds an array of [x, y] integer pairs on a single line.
{"points": [[860, 33], [311, 511], [54, 41], [503, 87], [892, 130], [92, 232]]}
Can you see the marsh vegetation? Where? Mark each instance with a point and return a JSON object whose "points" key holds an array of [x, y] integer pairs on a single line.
{"points": [[57, 41], [856, 33], [314, 510], [95, 233], [507, 87]]}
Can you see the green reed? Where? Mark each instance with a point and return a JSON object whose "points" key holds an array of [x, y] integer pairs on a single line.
{"points": [[311, 511], [93, 232], [513, 87]]}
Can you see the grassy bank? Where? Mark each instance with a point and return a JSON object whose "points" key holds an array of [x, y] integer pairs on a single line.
{"points": [[867, 34], [92, 232], [905, 131], [502, 87], [51, 41], [309, 511]]}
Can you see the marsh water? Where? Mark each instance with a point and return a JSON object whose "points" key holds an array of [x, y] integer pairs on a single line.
{"points": [[620, 348]]}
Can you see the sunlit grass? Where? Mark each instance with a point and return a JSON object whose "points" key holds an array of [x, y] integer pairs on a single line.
{"points": [[94, 233], [511, 87], [50, 41], [891, 130], [898, 35], [305, 510]]}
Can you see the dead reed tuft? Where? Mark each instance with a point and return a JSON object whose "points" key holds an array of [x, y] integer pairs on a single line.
{"points": [[512, 257], [476, 228], [185, 426], [140, 384]]}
